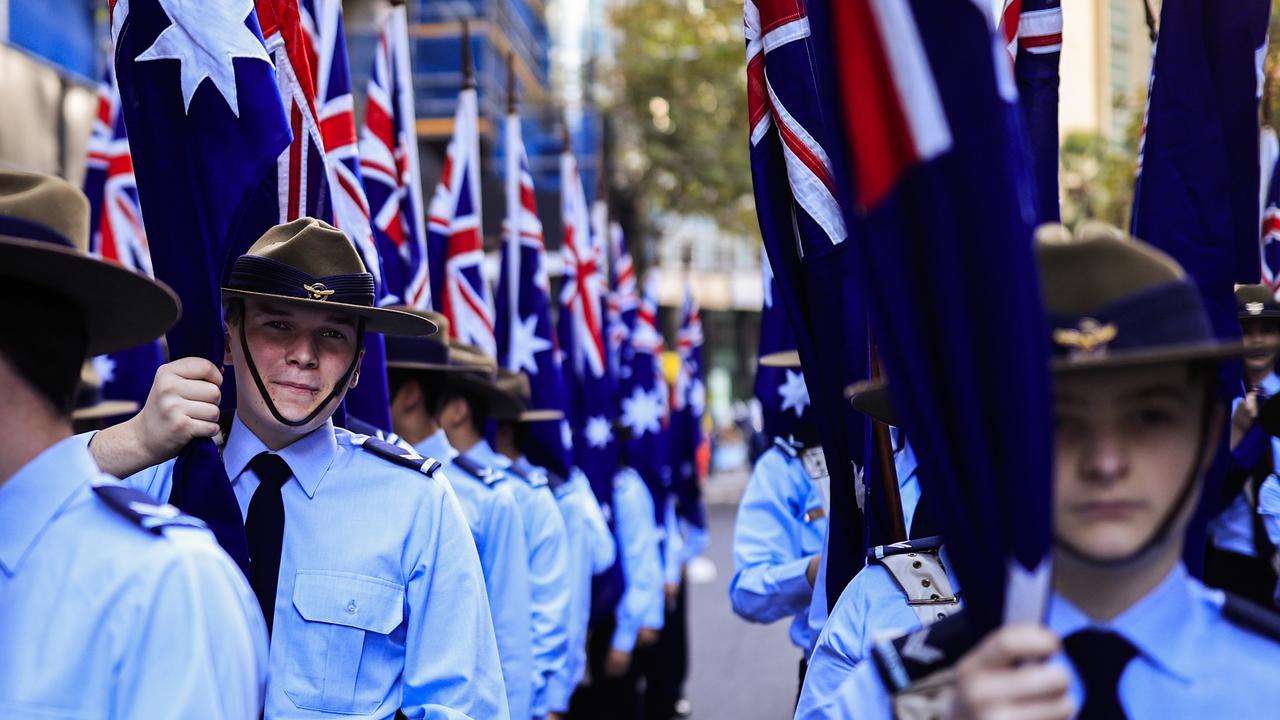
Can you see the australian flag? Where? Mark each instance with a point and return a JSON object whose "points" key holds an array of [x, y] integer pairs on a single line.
{"points": [[525, 335], [1270, 247], [215, 126], [117, 234], [643, 401], [389, 167], [783, 395], [455, 243], [942, 202], [688, 405], [1032, 33]]}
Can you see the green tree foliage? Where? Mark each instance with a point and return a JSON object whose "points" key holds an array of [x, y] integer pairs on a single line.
{"points": [[680, 111]]}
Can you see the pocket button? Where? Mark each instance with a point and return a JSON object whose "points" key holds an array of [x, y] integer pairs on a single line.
{"points": [[351, 607]]}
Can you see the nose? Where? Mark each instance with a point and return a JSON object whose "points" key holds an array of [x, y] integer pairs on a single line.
{"points": [[1105, 459], [303, 352]]}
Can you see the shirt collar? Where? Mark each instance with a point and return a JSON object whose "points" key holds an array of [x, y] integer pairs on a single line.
{"points": [[1146, 624], [484, 452], [905, 462], [309, 457], [37, 493], [436, 445], [1271, 385]]}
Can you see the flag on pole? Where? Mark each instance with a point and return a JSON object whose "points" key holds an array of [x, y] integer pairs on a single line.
{"points": [[208, 177], [1032, 32], [792, 140], [783, 395], [940, 192], [389, 168], [455, 242], [644, 401], [117, 233], [326, 53], [688, 405], [1270, 245], [525, 335]]}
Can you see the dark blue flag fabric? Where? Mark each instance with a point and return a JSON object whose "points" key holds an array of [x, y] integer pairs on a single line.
{"points": [[525, 335], [117, 234], [207, 176], [1037, 50], [783, 395], [793, 138], [942, 198], [1197, 190], [688, 405], [643, 402]]}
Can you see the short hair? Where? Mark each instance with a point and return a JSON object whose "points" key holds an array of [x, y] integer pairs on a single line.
{"points": [[45, 340]]}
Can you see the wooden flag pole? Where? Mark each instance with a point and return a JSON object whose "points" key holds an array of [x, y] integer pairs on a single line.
{"points": [[896, 526]]}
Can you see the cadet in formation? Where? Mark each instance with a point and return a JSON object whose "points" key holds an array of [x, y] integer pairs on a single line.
{"points": [[1136, 416], [417, 372], [114, 606], [361, 557]]}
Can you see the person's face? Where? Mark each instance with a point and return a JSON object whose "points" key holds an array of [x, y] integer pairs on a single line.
{"points": [[1260, 333], [1125, 443], [301, 355]]}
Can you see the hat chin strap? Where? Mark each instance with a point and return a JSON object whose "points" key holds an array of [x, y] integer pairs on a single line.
{"points": [[339, 387], [1161, 534]]}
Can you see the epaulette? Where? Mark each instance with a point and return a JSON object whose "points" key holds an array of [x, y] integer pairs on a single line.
{"points": [[143, 510], [1251, 616], [911, 658], [788, 448], [477, 469], [927, 544], [401, 456], [360, 427], [532, 479]]}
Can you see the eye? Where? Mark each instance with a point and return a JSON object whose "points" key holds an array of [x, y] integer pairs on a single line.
{"points": [[1153, 417], [276, 324], [333, 334]]}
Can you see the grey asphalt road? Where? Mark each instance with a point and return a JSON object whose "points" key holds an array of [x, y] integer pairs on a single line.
{"points": [[737, 669]]}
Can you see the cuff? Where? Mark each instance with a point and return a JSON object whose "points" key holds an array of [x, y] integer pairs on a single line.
{"points": [[624, 637]]}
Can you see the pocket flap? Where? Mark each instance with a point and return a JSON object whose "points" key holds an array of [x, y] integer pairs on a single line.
{"points": [[341, 598]]}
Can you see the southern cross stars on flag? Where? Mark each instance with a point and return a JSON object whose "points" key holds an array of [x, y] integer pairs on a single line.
{"points": [[783, 395], [389, 165]]}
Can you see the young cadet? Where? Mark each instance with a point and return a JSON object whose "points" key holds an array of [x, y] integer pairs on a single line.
{"points": [[589, 543], [779, 532], [360, 556], [113, 606], [465, 402], [1129, 632], [1239, 555], [416, 371]]}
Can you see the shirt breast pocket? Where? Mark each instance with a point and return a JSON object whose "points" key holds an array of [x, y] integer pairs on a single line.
{"points": [[346, 616]]}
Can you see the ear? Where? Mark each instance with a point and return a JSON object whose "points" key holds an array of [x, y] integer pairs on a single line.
{"points": [[455, 412], [407, 399]]}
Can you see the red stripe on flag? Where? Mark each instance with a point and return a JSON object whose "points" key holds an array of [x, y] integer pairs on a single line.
{"points": [[1034, 41], [295, 163], [776, 13], [338, 130], [880, 139]]}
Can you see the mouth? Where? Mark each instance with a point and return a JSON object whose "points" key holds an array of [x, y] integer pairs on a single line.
{"points": [[1104, 510], [293, 388]]}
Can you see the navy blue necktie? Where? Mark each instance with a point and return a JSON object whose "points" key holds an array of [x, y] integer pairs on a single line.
{"points": [[264, 527], [1100, 657]]}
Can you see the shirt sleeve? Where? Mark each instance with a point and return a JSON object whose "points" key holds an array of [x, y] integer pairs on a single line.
{"points": [[451, 667], [835, 654], [198, 645], [504, 555], [549, 585], [638, 540], [1269, 508], [604, 551], [674, 546], [861, 696], [769, 581]]}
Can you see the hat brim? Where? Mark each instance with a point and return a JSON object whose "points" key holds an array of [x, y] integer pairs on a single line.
{"points": [[1264, 315], [873, 397], [532, 416], [382, 320], [105, 409], [428, 367], [122, 308], [783, 359]]}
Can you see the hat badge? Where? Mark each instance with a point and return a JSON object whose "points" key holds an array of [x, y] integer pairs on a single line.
{"points": [[318, 291], [1253, 308], [1088, 339]]}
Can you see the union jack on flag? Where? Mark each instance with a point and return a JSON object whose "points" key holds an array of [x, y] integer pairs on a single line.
{"points": [[1270, 247], [389, 165], [623, 300], [115, 220], [455, 243]]}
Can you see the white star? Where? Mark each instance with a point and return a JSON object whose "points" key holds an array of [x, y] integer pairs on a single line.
{"points": [[525, 343], [795, 394], [204, 37], [599, 432], [566, 434], [698, 397], [641, 412], [105, 367]]}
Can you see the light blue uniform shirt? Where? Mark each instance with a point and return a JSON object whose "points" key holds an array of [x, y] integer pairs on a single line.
{"points": [[641, 562], [1233, 529], [381, 601], [781, 525], [100, 618], [591, 550], [872, 608], [548, 573], [1269, 509], [494, 517], [1192, 662]]}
